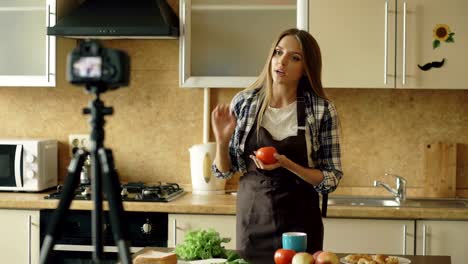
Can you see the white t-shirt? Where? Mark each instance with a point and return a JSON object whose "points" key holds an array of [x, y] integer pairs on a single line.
{"points": [[281, 122]]}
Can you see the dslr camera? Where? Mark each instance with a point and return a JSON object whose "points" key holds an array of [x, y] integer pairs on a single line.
{"points": [[91, 64]]}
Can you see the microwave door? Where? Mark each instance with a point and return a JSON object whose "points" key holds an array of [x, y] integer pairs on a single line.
{"points": [[10, 165], [18, 166]]}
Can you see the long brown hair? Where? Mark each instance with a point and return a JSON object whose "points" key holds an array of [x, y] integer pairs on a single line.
{"points": [[311, 81]]}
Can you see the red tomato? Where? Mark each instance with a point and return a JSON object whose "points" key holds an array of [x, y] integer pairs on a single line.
{"points": [[265, 155], [284, 256]]}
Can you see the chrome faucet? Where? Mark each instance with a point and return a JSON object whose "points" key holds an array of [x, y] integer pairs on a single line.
{"points": [[400, 192]]}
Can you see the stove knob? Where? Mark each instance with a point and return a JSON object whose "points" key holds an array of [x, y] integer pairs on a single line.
{"points": [[139, 196], [147, 227], [124, 192], [86, 191]]}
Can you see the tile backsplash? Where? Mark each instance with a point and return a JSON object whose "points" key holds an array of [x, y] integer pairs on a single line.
{"points": [[155, 122]]}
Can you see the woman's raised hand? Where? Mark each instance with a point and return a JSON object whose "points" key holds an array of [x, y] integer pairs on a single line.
{"points": [[223, 123]]}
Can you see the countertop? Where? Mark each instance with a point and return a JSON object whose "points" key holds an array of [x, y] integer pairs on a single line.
{"points": [[413, 259], [226, 205]]}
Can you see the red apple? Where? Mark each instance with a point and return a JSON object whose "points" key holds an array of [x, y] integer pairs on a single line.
{"points": [[317, 253], [327, 257], [284, 256], [303, 258]]}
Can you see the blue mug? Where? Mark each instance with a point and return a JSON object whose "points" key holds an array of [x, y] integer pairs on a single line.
{"points": [[296, 241]]}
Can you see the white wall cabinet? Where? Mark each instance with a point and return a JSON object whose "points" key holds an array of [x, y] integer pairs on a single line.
{"points": [[380, 43], [27, 54], [19, 241], [447, 238], [351, 35], [224, 44], [179, 224], [369, 236]]}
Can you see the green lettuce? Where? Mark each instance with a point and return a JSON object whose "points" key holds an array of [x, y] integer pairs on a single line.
{"points": [[202, 244]]}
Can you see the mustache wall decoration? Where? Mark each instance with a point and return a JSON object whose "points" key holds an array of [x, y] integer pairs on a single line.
{"points": [[430, 65]]}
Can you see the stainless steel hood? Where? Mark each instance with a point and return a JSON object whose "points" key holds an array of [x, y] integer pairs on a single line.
{"points": [[104, 19]]}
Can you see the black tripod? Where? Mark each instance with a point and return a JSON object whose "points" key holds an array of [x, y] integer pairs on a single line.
{"points": [[102, 173]]}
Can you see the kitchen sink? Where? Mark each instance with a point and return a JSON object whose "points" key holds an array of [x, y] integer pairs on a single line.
{"points": [[361, 201], [389, 202]]}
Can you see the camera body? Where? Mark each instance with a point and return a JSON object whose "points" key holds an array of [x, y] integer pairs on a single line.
{"points": [[94, 65]]}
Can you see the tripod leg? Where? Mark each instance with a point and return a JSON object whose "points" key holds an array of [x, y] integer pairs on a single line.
{"points": [[97, 212], [116, 212], [71, 182]]}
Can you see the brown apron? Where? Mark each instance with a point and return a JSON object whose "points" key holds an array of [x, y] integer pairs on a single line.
{"points": [[270, 203]]}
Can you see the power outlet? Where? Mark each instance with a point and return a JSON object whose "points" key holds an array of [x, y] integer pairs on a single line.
{"points": [[77, 141]]}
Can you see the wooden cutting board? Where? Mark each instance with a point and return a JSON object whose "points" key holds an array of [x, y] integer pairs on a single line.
{"points": [[440, 170]]}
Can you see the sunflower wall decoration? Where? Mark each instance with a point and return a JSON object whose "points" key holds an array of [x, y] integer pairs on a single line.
{"points": [[442, 33]]}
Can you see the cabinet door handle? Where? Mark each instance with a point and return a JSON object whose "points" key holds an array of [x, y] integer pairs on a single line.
{"points": [[48, 45], [424, 240], [175, 232], [88, 248], [49, 39], [403, 81], [386, 42], [29, 238], [404, 239], [184, 41]]}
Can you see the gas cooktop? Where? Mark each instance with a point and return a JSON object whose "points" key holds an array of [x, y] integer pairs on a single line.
{"points": [[133, 191]]}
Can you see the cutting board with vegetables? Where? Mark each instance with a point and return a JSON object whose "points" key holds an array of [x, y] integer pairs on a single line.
{"points": [[440, 170]]}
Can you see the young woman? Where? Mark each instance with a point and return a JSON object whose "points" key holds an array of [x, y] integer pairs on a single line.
{"points": [[285, 108]]}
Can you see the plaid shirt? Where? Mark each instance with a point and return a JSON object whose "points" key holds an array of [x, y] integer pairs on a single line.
{"points": [[322, 124]]}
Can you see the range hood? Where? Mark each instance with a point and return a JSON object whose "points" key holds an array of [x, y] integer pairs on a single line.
{"points": [[107, 19]]}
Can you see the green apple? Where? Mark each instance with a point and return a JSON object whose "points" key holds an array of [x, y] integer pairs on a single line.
{"points": [[303, 258]]}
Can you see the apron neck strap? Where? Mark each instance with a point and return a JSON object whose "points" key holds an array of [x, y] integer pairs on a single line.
{"points": [[300, 108]]}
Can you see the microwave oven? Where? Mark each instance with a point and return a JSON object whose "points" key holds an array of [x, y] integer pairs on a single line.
{"points": [[28, 164]]}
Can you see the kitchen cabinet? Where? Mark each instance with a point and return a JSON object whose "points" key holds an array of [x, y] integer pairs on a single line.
{"points": [[448, 238], [19, 242], [27, 54], [180, 224], [380, 43], [224, 44], [375, 236]]}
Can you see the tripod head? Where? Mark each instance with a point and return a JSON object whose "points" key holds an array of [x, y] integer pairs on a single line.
{"points": [[97, 110]]}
